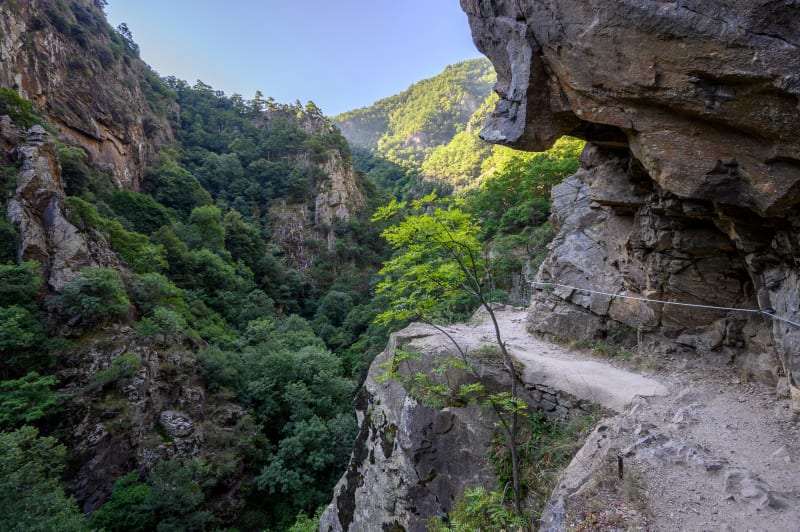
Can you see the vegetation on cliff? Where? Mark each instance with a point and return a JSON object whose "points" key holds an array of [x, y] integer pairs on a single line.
{"points": [[222, 272]]}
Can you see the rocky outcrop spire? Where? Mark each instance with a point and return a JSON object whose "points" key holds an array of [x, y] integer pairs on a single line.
{"points": [[37, 209], [689, 187]]}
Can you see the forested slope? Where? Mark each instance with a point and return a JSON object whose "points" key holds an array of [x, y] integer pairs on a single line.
{"points": [[178, 317], [187, 278]]}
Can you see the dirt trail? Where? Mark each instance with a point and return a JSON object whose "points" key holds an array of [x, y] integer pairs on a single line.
{"points": [[709, 451]]}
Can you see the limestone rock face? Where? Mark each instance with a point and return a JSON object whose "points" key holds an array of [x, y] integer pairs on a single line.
{"points": [[37, 208], [690, 181], [334, 198], [409, 462], [66, 60]]}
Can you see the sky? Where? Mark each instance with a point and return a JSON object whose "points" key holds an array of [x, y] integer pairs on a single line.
{"points": [[340, 54]]}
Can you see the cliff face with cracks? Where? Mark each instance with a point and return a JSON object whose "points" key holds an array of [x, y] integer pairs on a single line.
{"points": [[87, 81], [689, 183]]}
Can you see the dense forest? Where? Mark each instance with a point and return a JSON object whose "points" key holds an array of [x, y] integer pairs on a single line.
{"points": [[225, 276]]}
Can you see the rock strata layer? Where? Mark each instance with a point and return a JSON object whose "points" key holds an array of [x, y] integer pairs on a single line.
{"points": [[690, 181]]}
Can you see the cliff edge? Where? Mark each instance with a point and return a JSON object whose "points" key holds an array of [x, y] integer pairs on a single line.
{"points": [[688, 187]]}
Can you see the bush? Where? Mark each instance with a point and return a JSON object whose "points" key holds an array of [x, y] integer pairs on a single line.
{"points": [[119, 371], [18, 108], [27, 399], [31, 497], [94, 298]]}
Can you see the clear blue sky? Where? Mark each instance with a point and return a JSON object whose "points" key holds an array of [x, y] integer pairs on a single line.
{"points": [[342, 54]]}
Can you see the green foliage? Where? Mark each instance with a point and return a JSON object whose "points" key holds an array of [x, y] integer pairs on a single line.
{"points": [[118, 372], [134, 248], [516, 193], [427, 387], [80, 178], [31, 497], [22, 333], [126, 507], [205, 229], [546, 448], [96, 296], [18, 108], [303, 523], [306, 464], [296, 389], [458, 162], [173, 186], [163, 321], [479, 509], [152, 290], [144, 214], [169, 500], [438, 267], [243, 240], [20, 284], [27, 399], [404, 128]]}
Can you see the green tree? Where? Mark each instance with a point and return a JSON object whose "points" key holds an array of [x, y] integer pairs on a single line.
{"points": [[173, 186], [143, 212], [31, 496], [27, 399], [169, 500], [96, 296], [126, 507], [438, 259], [163, 321], [206, 229], [21, 333], [9, 236], [20, 284]]}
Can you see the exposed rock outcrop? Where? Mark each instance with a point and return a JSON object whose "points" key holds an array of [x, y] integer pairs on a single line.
{"points": [[135, 404], [37, 209], [412, 462], [709, 456], [690, 181], [334, 198], [87, 80], [338, 197], [409, 462]]}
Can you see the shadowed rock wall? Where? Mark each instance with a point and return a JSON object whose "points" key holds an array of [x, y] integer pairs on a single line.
{"points": [[689, 184]]}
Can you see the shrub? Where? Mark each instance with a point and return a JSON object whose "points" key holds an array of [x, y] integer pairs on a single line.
{"points": [[120, 370], [95, 297], [18, 108], [27, 399]]}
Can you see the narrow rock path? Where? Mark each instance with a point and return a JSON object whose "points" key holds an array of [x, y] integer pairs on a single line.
{"points": [[709, 452], [558, 366]]}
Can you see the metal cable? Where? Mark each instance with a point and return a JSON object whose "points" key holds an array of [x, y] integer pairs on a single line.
{"points": [[765, 312]]}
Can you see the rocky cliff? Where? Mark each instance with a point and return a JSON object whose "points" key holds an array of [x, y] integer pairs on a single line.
{"points": [[412, 461], [70, 84], [87, 80], [688, 189], [334, 197]]}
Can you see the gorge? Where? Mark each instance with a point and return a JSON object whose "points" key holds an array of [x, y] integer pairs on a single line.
{"points": [[188, 279]]}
